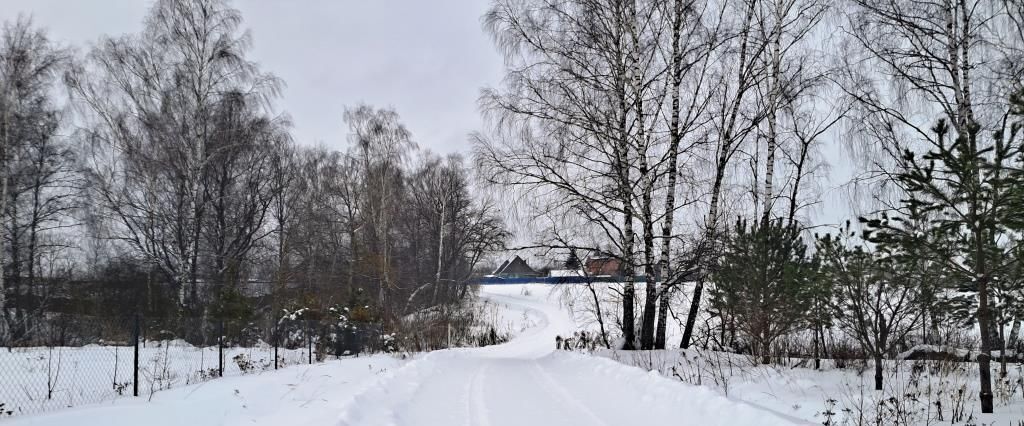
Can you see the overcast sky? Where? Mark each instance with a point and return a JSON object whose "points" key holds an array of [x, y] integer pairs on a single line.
{"points": [[426, 58]]}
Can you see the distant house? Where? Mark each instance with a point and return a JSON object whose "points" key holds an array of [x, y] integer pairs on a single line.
{"points": [[604, 266], [515, 268], [562, 273]]}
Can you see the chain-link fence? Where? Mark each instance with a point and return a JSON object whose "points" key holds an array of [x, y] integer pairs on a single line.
{"points": [[62, 360]]}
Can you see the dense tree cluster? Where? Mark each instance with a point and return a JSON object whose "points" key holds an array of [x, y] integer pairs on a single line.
{"points": [[167, 186]]}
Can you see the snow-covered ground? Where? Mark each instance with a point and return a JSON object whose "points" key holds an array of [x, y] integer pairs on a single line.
{"points": [[527, 382], [37, 380], [522, 382], [297, 395], [915, 392]]}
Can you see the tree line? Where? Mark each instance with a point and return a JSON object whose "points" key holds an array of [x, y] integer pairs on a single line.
{"points": [[153, 175], [690, 138]]}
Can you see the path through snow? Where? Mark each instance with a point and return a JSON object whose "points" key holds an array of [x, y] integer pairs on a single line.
{"points": [[523, 382], [527, 382]]}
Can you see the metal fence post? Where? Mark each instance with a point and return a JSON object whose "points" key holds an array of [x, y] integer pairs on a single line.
{"points": [[309, 343], [220, 349], [135, 361], [277, 340]]}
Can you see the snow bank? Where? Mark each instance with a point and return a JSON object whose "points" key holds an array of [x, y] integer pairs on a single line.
{"points": [[668, 399], [298, 395], [937, 353], [39, 379], [949, 353]]}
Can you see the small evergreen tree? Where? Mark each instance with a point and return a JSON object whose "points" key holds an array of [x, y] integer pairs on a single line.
{"points": [[820, 314], [572, 262], [875, 297], [762, 282]]}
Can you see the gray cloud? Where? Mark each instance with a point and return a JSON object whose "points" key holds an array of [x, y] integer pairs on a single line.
{"points": [[427, 59]]}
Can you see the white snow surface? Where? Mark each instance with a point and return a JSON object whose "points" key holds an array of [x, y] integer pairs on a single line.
{"points": [[523, 382]]}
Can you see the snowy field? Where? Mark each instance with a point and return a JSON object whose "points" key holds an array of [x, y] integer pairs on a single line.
{"points": [[45, 379], [527, 382], [519, 383], [915, 392], [297, 395]]}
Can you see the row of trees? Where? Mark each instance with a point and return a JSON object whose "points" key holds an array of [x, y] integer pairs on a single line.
{"points": [[653, 122], [638, 113], [167, 184]]}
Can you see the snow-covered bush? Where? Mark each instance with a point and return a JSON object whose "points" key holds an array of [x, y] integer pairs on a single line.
{"points": [[247, 365], [388, 343]]}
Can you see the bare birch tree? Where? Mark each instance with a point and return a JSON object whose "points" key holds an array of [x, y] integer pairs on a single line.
{"points": [[149, 101], [733, 119], [689, 62], [566, 122], [381, 144], [29, 67]]}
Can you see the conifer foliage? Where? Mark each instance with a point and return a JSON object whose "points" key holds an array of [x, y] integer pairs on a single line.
{"points": [[960, 209], [762, 282], [875, 297]]}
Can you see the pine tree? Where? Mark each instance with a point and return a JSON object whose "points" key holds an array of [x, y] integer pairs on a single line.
{"points": [[820, 314], [572, 262], [762, 282], [971, 194], [875, 299]]}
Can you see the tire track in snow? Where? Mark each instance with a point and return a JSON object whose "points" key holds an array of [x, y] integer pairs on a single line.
{"points": [[476, 402], [524, 382], [552, 386]]}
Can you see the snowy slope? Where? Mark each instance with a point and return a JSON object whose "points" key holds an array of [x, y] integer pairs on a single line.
{"points": [[522, 382]]}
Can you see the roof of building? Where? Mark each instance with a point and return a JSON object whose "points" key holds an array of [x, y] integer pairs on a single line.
{"points": [[500, 268], [516, 266]]}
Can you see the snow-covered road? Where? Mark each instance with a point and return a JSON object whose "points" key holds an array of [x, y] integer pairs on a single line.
{"points": [[523, 382], [527, 382]]}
